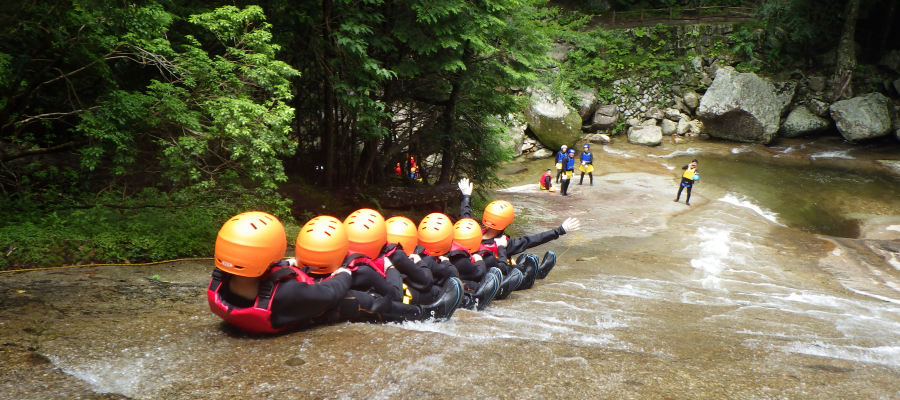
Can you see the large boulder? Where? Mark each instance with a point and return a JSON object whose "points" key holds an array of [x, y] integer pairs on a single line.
{"points": [[513, 139], [645, 135], [801, 122], [605, 117], [587, 103], [541, 153], [692, 99], [862, 117], [740, 106], [553, 122], [784, 94]]}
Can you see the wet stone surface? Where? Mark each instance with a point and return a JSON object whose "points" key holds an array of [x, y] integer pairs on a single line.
{"points": [[651, 299]]}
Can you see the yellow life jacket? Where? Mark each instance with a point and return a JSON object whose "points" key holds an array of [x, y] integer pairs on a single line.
{"points": [[688, 173]]}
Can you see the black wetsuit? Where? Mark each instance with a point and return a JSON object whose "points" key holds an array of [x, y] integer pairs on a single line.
{"points": [[568, 165], [366, 279], [685, 183], [515, 246]]}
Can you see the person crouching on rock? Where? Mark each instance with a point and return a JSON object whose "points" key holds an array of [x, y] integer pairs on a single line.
{"points": [[560, 157], [496, 217], [545, 181], [688, 177]]}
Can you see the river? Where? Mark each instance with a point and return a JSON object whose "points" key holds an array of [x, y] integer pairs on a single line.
{"points": [[782, 280]]}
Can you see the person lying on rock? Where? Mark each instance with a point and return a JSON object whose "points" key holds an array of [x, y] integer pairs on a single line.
{"points": [[254, 289], [434, 248], [496, 217]]}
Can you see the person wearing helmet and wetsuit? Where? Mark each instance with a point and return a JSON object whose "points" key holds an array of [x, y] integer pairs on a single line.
{"points": [[687, 181], [496, 217], [587, 164], [560, 157], [568, 171], [255, 290]]}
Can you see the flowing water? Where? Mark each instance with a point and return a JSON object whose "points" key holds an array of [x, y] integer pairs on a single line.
{"points": [[761, 289]]}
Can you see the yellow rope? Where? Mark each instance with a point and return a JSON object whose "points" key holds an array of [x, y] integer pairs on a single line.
{"points": [[106, 265], [574, 239]]}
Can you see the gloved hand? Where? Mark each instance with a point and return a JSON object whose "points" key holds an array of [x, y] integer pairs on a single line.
{"points": [[571, 225], [465, 187], [583, 162], [476, 258], [501, 241], [415, 258], [292, 261], [342, 269], [388, 264], [443, 259]]}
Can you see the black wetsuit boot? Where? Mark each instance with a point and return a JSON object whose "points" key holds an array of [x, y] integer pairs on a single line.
{"points": [[441, 310], [581, 182], [591, 174], [487, 290], [529, 264], [546, 265], [511, 282]]}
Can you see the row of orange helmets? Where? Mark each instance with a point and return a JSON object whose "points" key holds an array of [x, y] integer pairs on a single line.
{"points": [[251, 241]]}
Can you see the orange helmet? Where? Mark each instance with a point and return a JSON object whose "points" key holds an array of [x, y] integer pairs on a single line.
{"points": [[403, 231], [249, 243], [436, 234], [467, 233], [498, 215], [366, 232], [322, 244]]}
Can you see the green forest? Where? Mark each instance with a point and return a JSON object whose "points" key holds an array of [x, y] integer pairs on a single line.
{"points": [[130, 130]]}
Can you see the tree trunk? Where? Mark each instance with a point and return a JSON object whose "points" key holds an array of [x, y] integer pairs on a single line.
{"points": [[888, 23], [846, 55], [329, 106], [449, 126]]}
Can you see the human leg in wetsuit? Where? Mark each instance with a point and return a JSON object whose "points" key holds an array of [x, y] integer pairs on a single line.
{"points": [[685, 183]]}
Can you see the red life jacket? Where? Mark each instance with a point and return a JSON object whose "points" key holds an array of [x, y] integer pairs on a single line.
{"points": [[256, 319], [356, 260], [492, 247], [386, 252], [544, 177], [453, 247]]}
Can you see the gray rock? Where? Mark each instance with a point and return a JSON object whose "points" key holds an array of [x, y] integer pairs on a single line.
{"points": [[705, 79], [554, 123], [891, 60], [634, 122], [587, 103], [598, 138], [801, 122], [541, 153], [892, 165], [818, 107], [645, 135], [668, 127], [740, 107], [784, 94], [654, 112], [897, 85], [679, 140], [683, 126], [679, 105], [696, 127], [816, 83], [604, 118], [862, 117], [643, 108], [672, 114], [649, 122], [560, 51], [697, 63], [514, 139], [691, 99]]}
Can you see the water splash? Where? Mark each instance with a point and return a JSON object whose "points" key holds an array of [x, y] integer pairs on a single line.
{"points": [[742, 201], [845, 154]]}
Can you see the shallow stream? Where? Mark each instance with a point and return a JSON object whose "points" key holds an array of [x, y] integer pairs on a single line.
{"points": [[756, 291]]}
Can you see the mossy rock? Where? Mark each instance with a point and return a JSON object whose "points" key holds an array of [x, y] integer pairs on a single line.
{"points": [[554, 123]]}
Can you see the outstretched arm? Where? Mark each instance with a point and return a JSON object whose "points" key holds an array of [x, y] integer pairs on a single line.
{"points": [[521, 244], [465, 187]]}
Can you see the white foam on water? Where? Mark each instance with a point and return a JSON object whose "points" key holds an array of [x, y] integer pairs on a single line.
{"points": [[678, 153], [833, 154], [530, 187], [733, 199], [893, 228], [739, 150], [883, 355], [609, 149]]}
